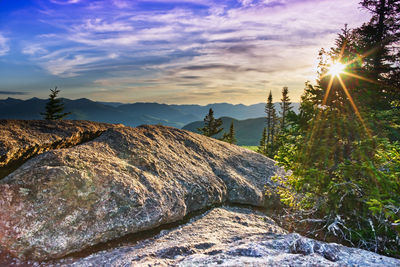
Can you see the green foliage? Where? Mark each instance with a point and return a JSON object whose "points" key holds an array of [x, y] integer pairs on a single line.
{"points": [[267, 142], [212, 126], [285, 107], [230, 137], [262, 148], [252, 148], [54, 107], [364, 192], [343, 147]]}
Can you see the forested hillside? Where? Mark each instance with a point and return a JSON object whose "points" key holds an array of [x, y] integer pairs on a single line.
{"points": [[248, 132]]}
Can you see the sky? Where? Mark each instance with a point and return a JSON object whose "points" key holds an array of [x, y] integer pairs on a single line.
{"points": [[174, 52]]}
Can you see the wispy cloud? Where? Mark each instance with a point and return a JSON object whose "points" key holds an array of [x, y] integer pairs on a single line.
{"points": [[224, 47], [4, 48], [65, 2], [12, 93], [33, 49]]}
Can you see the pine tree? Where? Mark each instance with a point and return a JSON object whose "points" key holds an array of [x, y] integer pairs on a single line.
{"points": [[54, 107], [230, 137], [336, 161], [271, 124], [285, 107], [378, 41], [212, 126], [274, 124], [262, 148], [269, 110]]}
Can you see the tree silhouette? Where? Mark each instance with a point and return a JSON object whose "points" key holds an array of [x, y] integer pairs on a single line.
{"points": [[230, 137], [212, 126], [262, 148], [272, 120], [54, 107], [285, 107]]}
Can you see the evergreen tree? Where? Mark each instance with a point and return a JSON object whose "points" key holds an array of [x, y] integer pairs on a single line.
{"points": [[262, 148], [337, 152], [54, 107], [230, 137], [285, 107], [269, 110], [274, 127], [378, 41], [212, 126], [271, 125]]}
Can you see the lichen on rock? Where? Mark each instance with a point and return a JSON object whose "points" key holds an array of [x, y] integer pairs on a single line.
{"points": [[124, 181], [232, 236]]}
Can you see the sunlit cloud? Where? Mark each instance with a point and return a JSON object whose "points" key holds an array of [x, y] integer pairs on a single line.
{"points": [[226, 49]]}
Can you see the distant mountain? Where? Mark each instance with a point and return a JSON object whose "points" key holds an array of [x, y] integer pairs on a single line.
{"points": [[129, 114], [240, 112], [248, 132], [113, 104]]}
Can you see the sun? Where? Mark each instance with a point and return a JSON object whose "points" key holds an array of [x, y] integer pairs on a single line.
{"points": [[336, 69]]}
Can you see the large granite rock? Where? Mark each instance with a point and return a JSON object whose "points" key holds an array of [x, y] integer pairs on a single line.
{"points": [[232, 237], [124, 181], [20, 140]]}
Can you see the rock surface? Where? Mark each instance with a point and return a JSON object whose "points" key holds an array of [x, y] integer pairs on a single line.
{"points": [[124, 181], [232, 237], [20, 140]]}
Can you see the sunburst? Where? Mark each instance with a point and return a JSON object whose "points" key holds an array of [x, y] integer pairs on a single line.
{"points": [[335, 70]]}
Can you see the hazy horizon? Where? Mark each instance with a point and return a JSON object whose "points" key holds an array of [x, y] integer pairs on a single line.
{"points": [[148, 102], [172, 52]]}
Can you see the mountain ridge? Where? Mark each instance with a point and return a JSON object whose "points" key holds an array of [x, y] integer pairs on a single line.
{"points": [[247, 132], [130, 114]]}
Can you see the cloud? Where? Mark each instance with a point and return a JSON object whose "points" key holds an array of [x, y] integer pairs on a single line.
{"points": [[223, 48], [33, 49], [4, 48], [65, 2], [97, 25], [121, 3], [245, 2], [12, 93]]}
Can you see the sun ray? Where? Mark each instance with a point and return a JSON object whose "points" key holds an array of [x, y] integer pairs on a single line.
{"points": [[350, 98], [328, 90], [363, 55], [336, 68], [315, 127], [359, 77]]}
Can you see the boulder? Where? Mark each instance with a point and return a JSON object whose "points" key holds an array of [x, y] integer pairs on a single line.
{"points": [[22, 139], [124, 181], [231, 236]]}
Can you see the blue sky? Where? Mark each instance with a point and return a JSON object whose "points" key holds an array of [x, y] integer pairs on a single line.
{"points": [[179, 51]]}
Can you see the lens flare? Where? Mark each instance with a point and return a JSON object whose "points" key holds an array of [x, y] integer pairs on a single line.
{"points": [[336, 69]]}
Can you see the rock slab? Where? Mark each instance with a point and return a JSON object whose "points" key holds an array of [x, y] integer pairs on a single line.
{"points": [[124, 181], [22, 139], [231, 236]]}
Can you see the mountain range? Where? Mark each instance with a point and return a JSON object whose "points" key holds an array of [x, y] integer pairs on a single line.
{"points": [[130, 114], [247, 132]]}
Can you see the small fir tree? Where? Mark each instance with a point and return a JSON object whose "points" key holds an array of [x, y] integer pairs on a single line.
{"points": [[274, 124], [262, 148], [54, 107], [269, 107], [230, 137], [271, 124], [212, 126], [285, 107]]}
